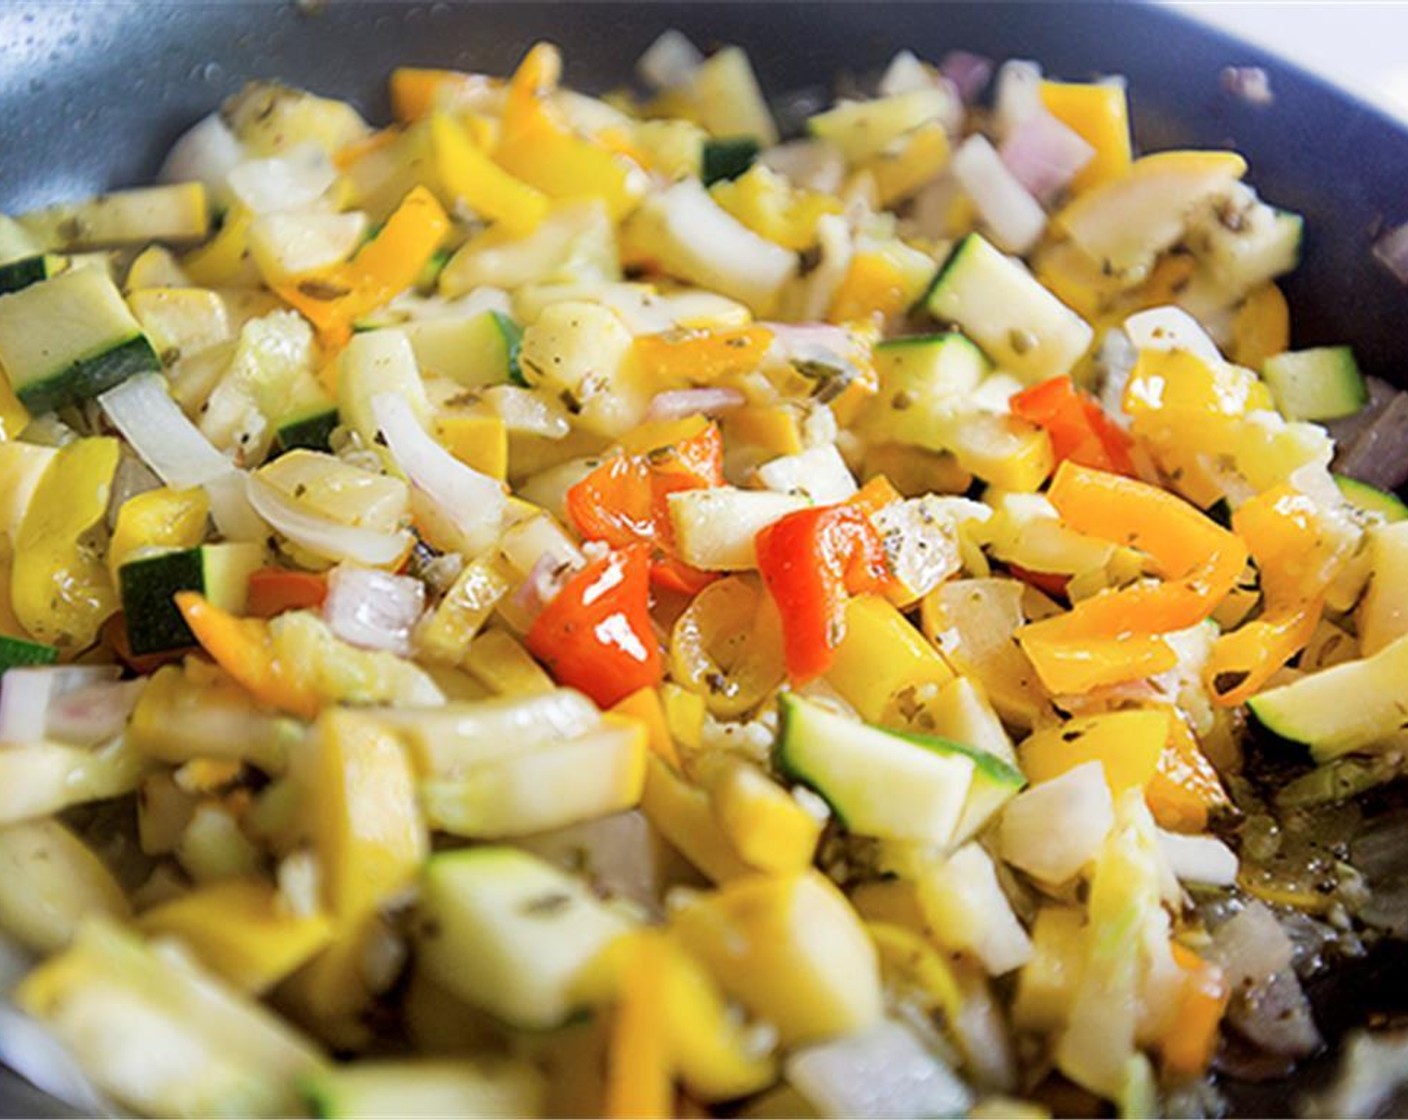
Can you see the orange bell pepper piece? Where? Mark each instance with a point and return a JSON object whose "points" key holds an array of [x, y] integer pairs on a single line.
{"points": [[275, 590], [383, 268], [244, 649], [701, 357], [1113, 636], [1282, 531], [539, 147], [873, 288], [640, 1067], [597, 635], [1185, 787], [811, 561], [1188, 1046], [626, 500], [415, 92], [1079, 429]]}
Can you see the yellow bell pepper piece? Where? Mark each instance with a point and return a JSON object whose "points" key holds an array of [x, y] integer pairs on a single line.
{"points": [[417, 92], [772, 429], [639, 1081], [683, 815], [1296, 560], [244, 648], [791, 949], [882, 659], [873, 288], [684, 716], [920, 156], [764, 823], [161, 518], [1261, 328], [501, 662], [1127, 744], [771, 207], [1099, 113], [468, 173], [60, 589], [541, 149], [644, 705], [385, 266], [478, 441], [1185, 786], [221, 259], [459, 616], [700, 357], [240, 929]]}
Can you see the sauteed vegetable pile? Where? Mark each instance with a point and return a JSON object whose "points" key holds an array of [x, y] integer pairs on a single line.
{"points": [[567, 605]]}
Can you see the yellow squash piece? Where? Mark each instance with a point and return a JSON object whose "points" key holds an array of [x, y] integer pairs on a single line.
{"points": [[477, 441], [60, 588], [683, 814], [466, 172], [763, 822], [158, 519], [1127, 744], [883, 663], [240, 929], [1099, 113]]}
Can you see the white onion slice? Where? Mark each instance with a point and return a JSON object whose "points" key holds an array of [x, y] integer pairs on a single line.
{"points": [[1044, 155], [373, 609], [1053, 829], [143, 411], [231, 510], [205, 153], [1018, 95], [466, 507], [679, 404], [884, 1071], [322, 537], [291, 181], [670, 61], [1199, 859], [1171, 328], [26, 696], [1014, 218]]}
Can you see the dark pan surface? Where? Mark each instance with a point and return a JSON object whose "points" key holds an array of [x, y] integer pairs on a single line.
{"points": [[92, 92]]}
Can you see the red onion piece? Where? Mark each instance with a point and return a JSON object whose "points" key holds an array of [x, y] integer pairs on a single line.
{"points": [[969, 73], [92, 714], [1014, 219], [1392, 252], [677, 404], [1379, 454], [541, 585], [373, 609], [1044, 155]]}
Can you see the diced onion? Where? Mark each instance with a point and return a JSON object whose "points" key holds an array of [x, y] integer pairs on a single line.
{"points": [[467, 506], [27, 695], [1171, 328], [813, 165], [205, 153], [373, 609], [1391, 250], [1251, 84], [819, 473], [291, 181], [884, 1071], [1018, 95], [1053, 829], [905, 74], [322, 537], [93, 713], [1205, 860], [1013, 217], [1251, 947], [1044, 155], [678, 404], [143, 411], [670, 61]]}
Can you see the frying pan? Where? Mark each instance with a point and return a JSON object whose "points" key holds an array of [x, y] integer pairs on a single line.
{"points": [[93, 92]]}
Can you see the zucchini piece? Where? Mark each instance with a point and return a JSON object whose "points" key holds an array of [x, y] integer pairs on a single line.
{"points": [[1323, 383], [15, 652], [148, 586], [511, 934], [480, 350], [922, 378], [179, 322], [310, 428], [1243, 242], [1383, 611], [715, 528], [162, 1036], [29, 270], [469, 1088], [377, 362], [69, 338], [174, 213], [727, 158], [996, 301], [878, 783], [864, 129], [726, 99], [49, 881], [1342, 709], [1370, 499]]}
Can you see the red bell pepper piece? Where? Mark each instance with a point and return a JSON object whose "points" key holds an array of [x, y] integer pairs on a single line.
{"points": [[810, 561], [1079, 429], [626, 501], [596, 634], [275, 590]]}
